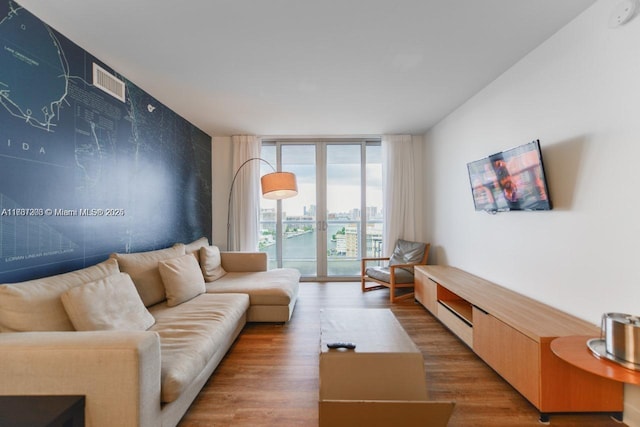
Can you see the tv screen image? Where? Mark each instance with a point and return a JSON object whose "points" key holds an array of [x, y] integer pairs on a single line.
{"points": [[510, 180]]}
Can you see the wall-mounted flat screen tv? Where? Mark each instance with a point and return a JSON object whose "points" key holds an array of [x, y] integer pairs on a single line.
{"points": [[510, 180]]}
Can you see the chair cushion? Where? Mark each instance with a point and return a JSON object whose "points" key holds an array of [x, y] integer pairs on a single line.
{"points": [[384, 274], [407, 252]]}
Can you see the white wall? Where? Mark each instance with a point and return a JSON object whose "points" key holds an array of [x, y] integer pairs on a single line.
{"points": [[579, 93], [222, 174], [422, 232]]}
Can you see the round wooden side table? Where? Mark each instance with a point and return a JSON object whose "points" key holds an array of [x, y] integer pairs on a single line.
{"points": [[574, 350]]}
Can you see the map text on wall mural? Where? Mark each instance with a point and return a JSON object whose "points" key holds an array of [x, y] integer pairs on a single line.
{"points": [[89, 163]]}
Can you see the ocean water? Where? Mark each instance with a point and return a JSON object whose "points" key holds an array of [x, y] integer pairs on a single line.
{"points": [[300, 252]]}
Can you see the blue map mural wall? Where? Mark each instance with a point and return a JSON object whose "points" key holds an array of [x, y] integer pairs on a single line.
{"points": [[82, 173]]}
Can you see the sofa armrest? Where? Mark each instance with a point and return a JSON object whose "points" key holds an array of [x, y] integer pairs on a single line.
{"points": [[117, 371], [240, 262]]}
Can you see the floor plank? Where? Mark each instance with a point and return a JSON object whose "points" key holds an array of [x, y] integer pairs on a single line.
{"points": [[270, 375]]}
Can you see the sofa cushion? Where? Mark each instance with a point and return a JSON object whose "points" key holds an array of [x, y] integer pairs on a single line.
{"points": [[35, 305], [272, 287], [191, 333], [182, 279], [211, 263], [194, 247], [111, 303], [143, 269]]}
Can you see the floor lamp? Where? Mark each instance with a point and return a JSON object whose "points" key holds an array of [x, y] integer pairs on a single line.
{"points": [[275, 186]]}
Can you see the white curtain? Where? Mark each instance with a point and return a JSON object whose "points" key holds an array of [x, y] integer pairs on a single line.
{"points": [[243, 226], [398, 189]]}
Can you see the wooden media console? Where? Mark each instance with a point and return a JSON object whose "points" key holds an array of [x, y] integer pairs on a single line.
{"points": [[512, 334]]}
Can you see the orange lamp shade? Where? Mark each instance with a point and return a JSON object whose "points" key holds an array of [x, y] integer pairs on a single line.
{"points": [[279, 185]]}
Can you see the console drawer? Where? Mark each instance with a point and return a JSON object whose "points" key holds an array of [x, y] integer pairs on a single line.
{"points": [[459, 327]]}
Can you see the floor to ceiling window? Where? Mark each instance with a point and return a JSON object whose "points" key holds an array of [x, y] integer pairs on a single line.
{"points": [[336, 219]]}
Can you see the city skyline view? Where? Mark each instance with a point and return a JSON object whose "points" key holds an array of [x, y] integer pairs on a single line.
{"points": [[322, 227]]}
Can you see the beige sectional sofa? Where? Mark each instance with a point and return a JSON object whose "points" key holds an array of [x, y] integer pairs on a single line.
{"points": [[272, 293], [131, 333]]}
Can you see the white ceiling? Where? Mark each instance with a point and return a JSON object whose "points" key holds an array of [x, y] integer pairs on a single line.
{"points": [[309, 67]]}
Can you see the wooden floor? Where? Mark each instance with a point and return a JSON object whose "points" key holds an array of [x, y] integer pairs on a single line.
{"points": [[270, 375]]}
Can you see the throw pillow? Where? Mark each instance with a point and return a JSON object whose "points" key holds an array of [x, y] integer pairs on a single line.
{"points": [[211, 263], [35, 305], [143, 269], [182, 279], [194, 247], [111, 303]]}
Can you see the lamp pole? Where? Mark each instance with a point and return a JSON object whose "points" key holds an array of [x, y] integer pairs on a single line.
{"points": [[231, 195]]}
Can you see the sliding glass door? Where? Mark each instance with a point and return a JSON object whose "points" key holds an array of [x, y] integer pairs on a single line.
{"points": [[336, 219]]}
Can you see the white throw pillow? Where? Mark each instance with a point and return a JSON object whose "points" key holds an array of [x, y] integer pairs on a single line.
{"points": [[182, 279], [111, 303], [211, 263], [194, 247], [35, 305], [143, 269]]}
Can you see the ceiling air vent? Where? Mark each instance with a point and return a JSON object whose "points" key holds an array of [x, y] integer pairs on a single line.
{"points": [[109, 83]]}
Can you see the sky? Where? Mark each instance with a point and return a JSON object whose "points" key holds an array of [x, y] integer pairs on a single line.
{"points": [[343, 176]]}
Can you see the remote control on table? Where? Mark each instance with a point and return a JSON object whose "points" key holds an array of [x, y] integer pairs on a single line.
{"points": [[346, 345]]}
